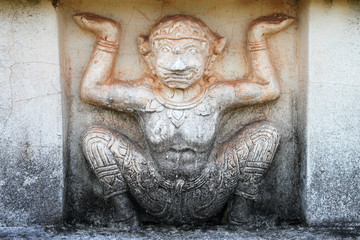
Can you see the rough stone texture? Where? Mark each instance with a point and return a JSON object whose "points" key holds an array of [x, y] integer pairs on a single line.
{"points": [[184, 177], [331, 160], [31, 155], [172, 233], [230, 19], [31, 170]]}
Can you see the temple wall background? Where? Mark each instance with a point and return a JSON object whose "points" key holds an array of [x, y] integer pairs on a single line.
{"points": [[330, 70], [31, 115], [43, 174]]}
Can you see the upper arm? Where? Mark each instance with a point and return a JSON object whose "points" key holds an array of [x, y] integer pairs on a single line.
{"points": [[118, 95], [242, 93]]}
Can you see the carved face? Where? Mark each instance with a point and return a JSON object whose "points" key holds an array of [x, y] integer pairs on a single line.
{"points": [[179, 63]]}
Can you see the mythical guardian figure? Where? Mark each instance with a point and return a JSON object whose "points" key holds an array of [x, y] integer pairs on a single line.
{"points": [[181, 176]]}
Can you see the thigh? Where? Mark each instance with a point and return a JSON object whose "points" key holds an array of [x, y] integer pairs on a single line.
{"points": [[106, 150], [255, 143], [253, 150], [105, 146]]}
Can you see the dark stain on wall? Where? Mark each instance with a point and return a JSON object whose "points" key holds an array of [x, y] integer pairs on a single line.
{"points": [[355, 4], [328, 2], [54, 3]]}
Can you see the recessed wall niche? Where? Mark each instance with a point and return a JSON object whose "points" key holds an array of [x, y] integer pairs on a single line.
{"points": [[230, 19]]}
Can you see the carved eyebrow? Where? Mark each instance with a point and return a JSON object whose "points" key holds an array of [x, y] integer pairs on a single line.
{"points": [[166, 42], [163, 42], [192, 45]]}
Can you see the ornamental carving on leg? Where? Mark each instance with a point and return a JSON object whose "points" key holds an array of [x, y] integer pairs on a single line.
{"points": [[182, 176]]}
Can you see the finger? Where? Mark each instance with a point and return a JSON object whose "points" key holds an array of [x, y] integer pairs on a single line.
{"points": [[78, 20], [88, 16], [84, 20], [89, 22], [284, 24], [274, 19], [273, 27]]}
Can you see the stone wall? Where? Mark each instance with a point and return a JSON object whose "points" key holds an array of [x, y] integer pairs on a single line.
{"points": [[31, 119], [330, 76], [43, 54]]}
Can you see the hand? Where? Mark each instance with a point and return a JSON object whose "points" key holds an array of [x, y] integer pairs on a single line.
{"points": [[267, 25], [104, 28]]}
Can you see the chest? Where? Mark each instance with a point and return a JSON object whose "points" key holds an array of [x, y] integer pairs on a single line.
{"points": [[181, 128]]}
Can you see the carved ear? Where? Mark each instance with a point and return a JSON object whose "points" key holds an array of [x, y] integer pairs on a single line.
{"points": [[144, 45], [145, 49], [219, 46]]}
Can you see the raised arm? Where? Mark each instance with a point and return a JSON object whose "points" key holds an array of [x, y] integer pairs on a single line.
{"points": [[261, 85], [97, 85]]}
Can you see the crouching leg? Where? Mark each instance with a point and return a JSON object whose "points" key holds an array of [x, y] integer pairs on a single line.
{"points": [[254, 148], [105, 150]]}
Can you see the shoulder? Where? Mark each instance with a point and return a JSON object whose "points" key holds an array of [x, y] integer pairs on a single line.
{"points": [[218, 86], [222, 92], [141, 88]]}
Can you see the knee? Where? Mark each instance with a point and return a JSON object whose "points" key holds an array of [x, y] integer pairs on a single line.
{"points": [[102, 142], [263, 140], [257, 142], [97, 135], [95, 144], [257, 133], [264, 131]]}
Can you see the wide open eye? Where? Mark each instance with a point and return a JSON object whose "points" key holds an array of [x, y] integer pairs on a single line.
{"points": [[165, 49], [193, 51]]}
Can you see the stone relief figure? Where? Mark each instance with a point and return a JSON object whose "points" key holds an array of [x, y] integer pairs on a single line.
{"points": [[181, 176]]}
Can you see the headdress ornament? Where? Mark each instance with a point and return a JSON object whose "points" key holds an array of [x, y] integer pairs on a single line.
{"points": [[182, 27]]}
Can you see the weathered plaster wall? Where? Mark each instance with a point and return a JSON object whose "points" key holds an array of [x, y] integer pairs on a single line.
{"points": [[318, 65], [230, 19], [331, 160], [31, 153]]}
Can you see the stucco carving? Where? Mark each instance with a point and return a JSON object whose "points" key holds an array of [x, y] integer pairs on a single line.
{"points": [[182, 175]]}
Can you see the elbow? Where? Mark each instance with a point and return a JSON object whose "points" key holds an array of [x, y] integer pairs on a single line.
{"points": [[274, 94], [96, 97], [85, 96]]}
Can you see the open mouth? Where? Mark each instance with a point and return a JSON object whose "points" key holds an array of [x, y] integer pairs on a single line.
{"points": [[183, 78], [173, 75]]}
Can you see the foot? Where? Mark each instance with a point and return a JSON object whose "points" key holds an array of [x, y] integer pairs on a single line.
{"points": [[124, 215], [241, 211]]}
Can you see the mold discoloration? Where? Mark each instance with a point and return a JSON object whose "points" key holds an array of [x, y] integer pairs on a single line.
{"points": [[355, 4], [329, 3], [55, 3]]}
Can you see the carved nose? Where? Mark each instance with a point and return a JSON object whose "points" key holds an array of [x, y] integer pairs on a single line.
{"points": [[177, 50], [178, 65]]}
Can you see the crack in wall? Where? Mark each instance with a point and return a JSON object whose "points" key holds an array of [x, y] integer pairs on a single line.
{"points": [[11, 101], [41, 96]]}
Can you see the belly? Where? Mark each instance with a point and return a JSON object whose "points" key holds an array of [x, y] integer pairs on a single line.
{"points": [[185, 163], [180, 150], [181, 183]]}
